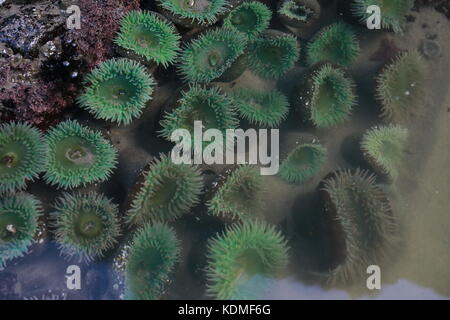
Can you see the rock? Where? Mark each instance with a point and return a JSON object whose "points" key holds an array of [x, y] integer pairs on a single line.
{"points": [[32, 26]]}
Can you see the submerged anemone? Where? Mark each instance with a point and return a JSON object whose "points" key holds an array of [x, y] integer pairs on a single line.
{"points": [[23, 155], [211, 54], [209, 105], [383, 148], [19, 216], [168, 191], [250, 18], [78, 156], [303, 163], [153, 255], [193, 13], [86, 224], [273, 54], [327, 97], [243, 252], [299, 13], [335, 43], [400, 86], [364, 226], [149, 36], [263, 108], [239, 195], [118, 90], [393, 12]]}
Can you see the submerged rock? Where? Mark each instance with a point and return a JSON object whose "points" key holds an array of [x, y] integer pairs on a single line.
{"points": [[31, 26]]}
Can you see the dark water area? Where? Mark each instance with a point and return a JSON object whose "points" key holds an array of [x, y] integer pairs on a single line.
{"points": [[419, 196]]}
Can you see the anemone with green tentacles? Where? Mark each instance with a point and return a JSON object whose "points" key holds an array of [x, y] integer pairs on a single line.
{"points": [[154, 252], [303, 163], [393, 12], [239, 196], [244, 252], [78, 156], [327, 97], [149, 36], [169, 190], [209, 105], [250, 18], [117, 90], [298, 13], [87, 225], [383, 148], [263, 108], [193, 13], [23, 155], [400, 86], [273, 54], [363, 224], [211, 54], [19, 216], [335, 43]]}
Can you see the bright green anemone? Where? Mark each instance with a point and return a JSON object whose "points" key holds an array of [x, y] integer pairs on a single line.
{"points": [[154, 252], [400, 86], [303, 163], [198, 12], [118, 90], [272, 55], [240, 196], [19, 216], [149, 36], [209, 105], [78, 156], [243, 253], [393, 12], [328, 96], [23, 155], [169, 190], [363, 217], [384, 148], [207, 57], [87, 225], [263, 108], [250, 18], [336, 43]]}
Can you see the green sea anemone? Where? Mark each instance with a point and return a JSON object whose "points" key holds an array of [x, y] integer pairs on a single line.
{"points": [[327, 97], [211, 54], [263, 108], [117, 90], [86, 224], [299, 13], [393, 12], [78, 156], [273, 54], [19, 216], [400, 86], [23, 155], [243, 252], [335, 43], [168, 191], [303, 163], [149, 36], [239, 196], [152, 257], [209, 105], [250, 18], [193, 13], [383, 148], [364, 225]]}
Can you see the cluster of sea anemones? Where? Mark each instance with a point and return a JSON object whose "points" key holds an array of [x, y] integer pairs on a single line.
{"points": [[251, 253]]}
